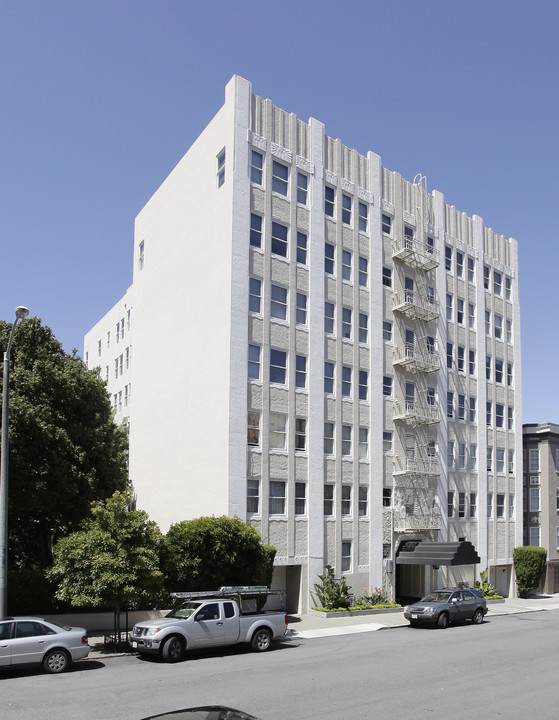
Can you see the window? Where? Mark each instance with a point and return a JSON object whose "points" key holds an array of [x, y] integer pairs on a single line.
{"points": [[277, 431], [363, 217], [346, 381], [489, 459], [387, 277], [509, 374], [328, 499], [255, 230], [346, 440], [363, 500], [472, 362], [489, 506], [277, 497], [329, 378], [363, 385], [511, 506], [126, 395], [347, 203], [449, 404], [461, 407], [256, 166], [221, 168], [498, 370], [471, 267], [363, 328], [535, 536], [363, 271], [488, 412], [346, 556], [346, 265], [449, 353], [255, 295], [300, 371], [473, 458], [254, 362], [301, 309], [459, 264], [279, 239], [472, 409], [509, 331], [510, 418], [280, 176], [116, 367], [473, 505], [387, 224], [461, 504], [430, 344], [278, 302], [329, 251], [487, 323], [301, 248], [141, 256], [253, 496], [498, 326], [387, 331], [497, 283], [500, 458], [508, 288], [534, 460], [461, 457], [387, 441], [459, 311], [363, 443], [329, 318], [534, 498], [253, 428], [346, 322], [431, 397], [488, 367], [329, 198], [449, 303], [346, 500], [460, 358], [328, 439], [300, 497], [450, 504], [302, 188], [99, 344], [278, 366], [511, 461], [450, 454], [300, 433], [386, 497], [486, 277], [471, 316], [499, 415], [127, 357], [387, 386], [448, 258]]}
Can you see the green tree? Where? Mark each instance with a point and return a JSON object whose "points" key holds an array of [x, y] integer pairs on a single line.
{"points": [[113, 561], [65, 450], [209, 552], [529, 567]]}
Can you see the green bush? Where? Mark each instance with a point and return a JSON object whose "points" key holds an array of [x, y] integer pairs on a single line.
{"points": [[332, 594], [377, 596], [485, 587], [529, 566]]}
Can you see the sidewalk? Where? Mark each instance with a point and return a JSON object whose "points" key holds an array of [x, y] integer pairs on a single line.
{"points": [[312, 626]]}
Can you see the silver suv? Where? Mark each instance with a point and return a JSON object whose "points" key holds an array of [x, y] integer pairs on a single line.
{"points": [[448, 605]]}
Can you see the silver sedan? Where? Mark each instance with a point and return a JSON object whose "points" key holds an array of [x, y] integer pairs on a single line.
{"points": [[32, 640]]}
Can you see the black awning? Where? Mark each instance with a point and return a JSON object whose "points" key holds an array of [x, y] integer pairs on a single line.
{"points": [[439, 553]]}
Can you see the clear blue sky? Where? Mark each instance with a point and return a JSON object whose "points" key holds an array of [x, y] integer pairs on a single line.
{"points": [[101, 98]]}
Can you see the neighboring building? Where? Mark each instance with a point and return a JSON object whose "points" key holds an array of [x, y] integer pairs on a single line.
{"points": [[541, 495], [325, 349]]}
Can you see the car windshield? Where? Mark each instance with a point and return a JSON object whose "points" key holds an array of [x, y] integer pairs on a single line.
{"points": [[438, 597], [185, 610]]}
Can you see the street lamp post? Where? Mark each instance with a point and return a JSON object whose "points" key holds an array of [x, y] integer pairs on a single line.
{"points": [[21, 312]]}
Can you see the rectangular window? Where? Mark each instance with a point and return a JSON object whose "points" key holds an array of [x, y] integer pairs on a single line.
{"points": [[471, 316], [472, 362], [278, 366], [346, 322], [253, 497], [363, 385], [459, 264], [473, 505], [499, 415], [488, 413], [500, 505], [387, 224], [363, 271], [363, 443], [450, 504], [387, 441], [253, 428], [302, 188], [328, 499], [254, 362], [329, 318], [363, 500], [487, 323], [500, 458], [346, 381], [329, 378], [448, 258], [461, 504], [497, 283], [471, 267], [346, 440], [346, 500], [498, 327], [280, 176], [510, 418], [301, 309], [459, 311], [363, 217], [221, 168], [460, 352], [509, 331], [387, 386], [347, 203], [488, 367], [489, 459], [256, 230], [300, 371], [449, 404], [386, 497], [472, 409], [509, 374], [473, 458], [329, 438], [508, 288], [363, 328], [255, 295], [489, 506], [535, 536], [346, 556], [449, 353], [301, 248], [534, 460], [141, 255], [450, 454], [511, 461], [346, 265], [498, 370], [278, 431], [277, 497], [387, 331], [329, 199], [300, 434], [329, 253], [99, 344], [449, 304], [387, 277], [279, 239], [461, 456], [300, 498], [461, 407], [486, 272], [256, 167], [278, 302], [511, 506]]}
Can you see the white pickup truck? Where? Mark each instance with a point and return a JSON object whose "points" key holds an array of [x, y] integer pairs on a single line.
{"points": [[206, 619]]}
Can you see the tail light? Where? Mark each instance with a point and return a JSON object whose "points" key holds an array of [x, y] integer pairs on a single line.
{"points": [[286, 619], [84, 640]]}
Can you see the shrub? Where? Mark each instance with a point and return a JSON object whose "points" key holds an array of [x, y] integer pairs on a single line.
{"points": [[529, 566], [377, 596], [332, 594], [485, 587]]}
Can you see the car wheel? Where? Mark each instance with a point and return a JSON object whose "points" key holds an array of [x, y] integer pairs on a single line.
{"points": [[56, 661], [261, 640], [443, 621], [477, 618], [173, 649]]}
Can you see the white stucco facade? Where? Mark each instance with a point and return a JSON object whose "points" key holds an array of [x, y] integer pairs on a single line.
{"points": [[293, 347]]}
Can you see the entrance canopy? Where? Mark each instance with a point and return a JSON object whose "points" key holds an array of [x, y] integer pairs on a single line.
{"points": [[438, 553]]}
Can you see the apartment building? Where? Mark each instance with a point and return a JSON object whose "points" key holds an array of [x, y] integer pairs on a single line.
{"points": [[326, 350], [541, 495]]}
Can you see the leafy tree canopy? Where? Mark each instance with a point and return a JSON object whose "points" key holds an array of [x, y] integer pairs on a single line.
{"points": [[209, 552], [65, 450]]}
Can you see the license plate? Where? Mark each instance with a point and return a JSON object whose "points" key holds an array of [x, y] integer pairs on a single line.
{"points": [[134, 644], [414, 617]]}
